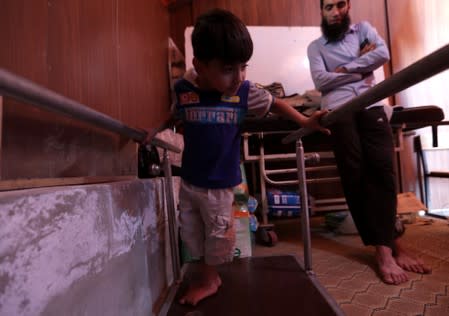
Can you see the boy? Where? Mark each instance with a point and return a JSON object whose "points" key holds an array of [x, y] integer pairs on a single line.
{"points": [[212, 101]]}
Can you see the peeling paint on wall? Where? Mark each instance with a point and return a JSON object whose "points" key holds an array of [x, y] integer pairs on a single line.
{"points": [[46, 235], [125, 230], [50, 239]]}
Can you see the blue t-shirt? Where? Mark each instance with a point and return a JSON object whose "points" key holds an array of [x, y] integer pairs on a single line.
{"points": [[212, 126]]}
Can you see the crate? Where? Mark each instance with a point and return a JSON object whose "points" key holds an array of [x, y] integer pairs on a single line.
{"points": [[283, 203]]}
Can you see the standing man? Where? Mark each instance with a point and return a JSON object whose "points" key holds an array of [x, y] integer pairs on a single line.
{"points": [[342, 62]]}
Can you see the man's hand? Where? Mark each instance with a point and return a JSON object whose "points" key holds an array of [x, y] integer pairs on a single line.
{"points": [[313, 122], [341, 70], [367, 48]]}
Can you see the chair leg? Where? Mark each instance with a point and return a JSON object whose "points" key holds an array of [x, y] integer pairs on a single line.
{"points": [[422, 171]]}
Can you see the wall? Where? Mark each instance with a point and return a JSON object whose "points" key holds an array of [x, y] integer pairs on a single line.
{"points": [[84, 250], [417, 29], [274, 13], [97, 249], [108, 55]]}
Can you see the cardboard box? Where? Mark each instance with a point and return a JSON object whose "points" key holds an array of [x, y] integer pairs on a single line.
{"points": [[276, 197], [409, 203], [283, 203], [284, 211]]}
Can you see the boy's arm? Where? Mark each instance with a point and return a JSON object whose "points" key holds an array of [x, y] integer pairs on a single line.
{"points": [[287, 111], [170, 122], [323, 79], [260, 102]]}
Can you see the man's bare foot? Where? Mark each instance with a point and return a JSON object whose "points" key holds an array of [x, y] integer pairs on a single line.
{"points": [[390, 272], [408, 261], [208, 285]]}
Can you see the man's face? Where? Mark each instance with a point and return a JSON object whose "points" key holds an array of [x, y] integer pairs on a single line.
{"points": [[334, 11], [224, 78], [335, 20]]}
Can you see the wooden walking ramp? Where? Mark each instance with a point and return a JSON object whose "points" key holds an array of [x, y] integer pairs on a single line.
{"points": [[260, 286]]}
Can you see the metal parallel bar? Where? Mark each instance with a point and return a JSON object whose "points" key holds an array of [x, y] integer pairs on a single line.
{"points": [[262, 176], [421, 70], [280, 171], [305, 222], [22, 89], [171, 214], [308, 181], [277, 157], [294, 170], [285, 157]]}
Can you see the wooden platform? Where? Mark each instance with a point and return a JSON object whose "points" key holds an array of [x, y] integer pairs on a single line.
{"points": [[261, 286]]}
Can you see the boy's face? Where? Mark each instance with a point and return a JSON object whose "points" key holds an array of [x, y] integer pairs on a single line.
{"points": [[215, 75]]}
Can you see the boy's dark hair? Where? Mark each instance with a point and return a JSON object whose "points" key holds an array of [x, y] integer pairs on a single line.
{"points": [[219, 34]]}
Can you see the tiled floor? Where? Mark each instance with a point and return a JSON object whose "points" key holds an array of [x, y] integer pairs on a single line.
{"points": [[347, 269]]}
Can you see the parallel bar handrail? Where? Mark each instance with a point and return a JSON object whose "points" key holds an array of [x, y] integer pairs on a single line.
{"points": [[25, 90], [421, 70]]}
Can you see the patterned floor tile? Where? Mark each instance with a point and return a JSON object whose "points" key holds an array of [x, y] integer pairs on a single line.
{"points": [[347, 270]]}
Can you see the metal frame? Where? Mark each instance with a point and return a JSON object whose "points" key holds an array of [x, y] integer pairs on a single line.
{"points": [[309, 158]]}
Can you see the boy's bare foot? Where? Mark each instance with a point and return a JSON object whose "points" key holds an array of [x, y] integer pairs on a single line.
{"points": [[206, 287], [390, 271], [408, 261]]}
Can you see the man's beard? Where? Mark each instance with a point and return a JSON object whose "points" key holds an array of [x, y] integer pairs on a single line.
{"points": [[335, 32]]}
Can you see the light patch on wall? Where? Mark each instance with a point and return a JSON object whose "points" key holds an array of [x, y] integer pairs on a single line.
{"points": [[280, 55], [305, 63], [124, 233], [154, 218], [49, 241]]}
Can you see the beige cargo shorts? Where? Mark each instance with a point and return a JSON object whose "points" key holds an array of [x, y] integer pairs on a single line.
{"points": [[207, 222]]}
